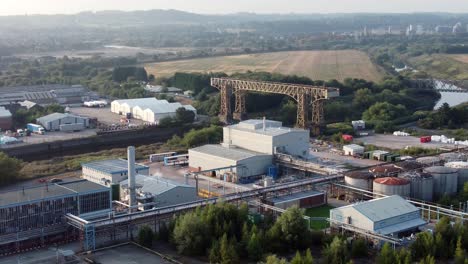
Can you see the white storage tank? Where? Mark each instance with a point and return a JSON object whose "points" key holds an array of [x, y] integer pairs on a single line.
{"points": [[359, 179], [392, 186], [462, 167], [452, 156], [445, 180], [421, 184], [429, 161]]}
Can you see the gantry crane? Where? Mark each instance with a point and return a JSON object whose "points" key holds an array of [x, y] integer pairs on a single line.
{"points": [[309, 99]]}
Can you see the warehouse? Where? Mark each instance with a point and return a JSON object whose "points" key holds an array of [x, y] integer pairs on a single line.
{"points": [[388, 216], [6, 121], [353, 150], [268, 137], [30, 216], [108, 172], [160, 191], [306, 199], [63, 122], [210, 157]]}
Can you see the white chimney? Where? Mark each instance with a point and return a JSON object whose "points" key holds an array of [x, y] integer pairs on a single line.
{"points": [[131, 176], [264, 123]]}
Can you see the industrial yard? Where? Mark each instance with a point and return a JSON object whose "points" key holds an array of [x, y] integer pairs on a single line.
{"points": [[399, 142]]}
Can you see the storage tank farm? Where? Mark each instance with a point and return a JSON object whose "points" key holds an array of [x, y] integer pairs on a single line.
{"points": [[421, 184], [462, 167], [452, 156], [429, 161], [358, 179], [445, 180], [392, 186], [385, 171]]}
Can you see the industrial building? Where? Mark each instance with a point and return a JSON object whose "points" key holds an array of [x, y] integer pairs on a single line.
{"points": [[388, 216], [210, 157], [108, 172], [307, 199], [63, 122], [149, 110], [353, 149], [33, 216], [268, 137], [6, 121], [46, 94], [158, 192]]}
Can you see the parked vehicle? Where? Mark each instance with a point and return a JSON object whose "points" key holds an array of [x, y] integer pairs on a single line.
{"points": [[37, 129], [72, 127], [21, 132], [55, 180]]}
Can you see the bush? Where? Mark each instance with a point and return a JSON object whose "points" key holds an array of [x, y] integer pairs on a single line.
{"points": [[145, 236]]}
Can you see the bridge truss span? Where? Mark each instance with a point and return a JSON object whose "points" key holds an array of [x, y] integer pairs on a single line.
{"points": [[309, 99]]}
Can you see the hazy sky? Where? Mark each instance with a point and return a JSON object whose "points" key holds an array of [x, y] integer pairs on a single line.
{"points": [[13, 7]]}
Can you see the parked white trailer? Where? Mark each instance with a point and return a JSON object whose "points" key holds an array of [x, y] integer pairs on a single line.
{"points": [[72, 127]]}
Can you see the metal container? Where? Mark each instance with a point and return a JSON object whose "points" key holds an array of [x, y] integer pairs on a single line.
{"points": [[392, 186], [445, 180], [385, 171], [429, 161], [452, 156], [462, 167], [421, 185], [358, 179]]}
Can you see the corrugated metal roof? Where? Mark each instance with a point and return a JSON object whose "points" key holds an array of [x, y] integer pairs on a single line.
{"points": [[154, 185], [138, 101], [112, 166], [236, 154], [48, 192], [400, 227], [384, 208], [354, 147], [55, 116]]}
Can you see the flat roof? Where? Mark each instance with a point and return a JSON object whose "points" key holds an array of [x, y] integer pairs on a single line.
{"points": [[272, 128], [112, 166], [227, 153], [48, 191], [383, 208], [295, 196], [154, 184]]}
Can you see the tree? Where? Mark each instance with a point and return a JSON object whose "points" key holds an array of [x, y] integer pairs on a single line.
{"points": [[254, 248], [428, 260], [145, 236], [214, 255], [10, 171], [273, 259], [384, 111], [297, 258], [403, 256], [184, 116], [166, 121], [228, 251], [460, 254], [359, 248], [386, 255], [336, 252], [293, 228], [308, 259], [423, 245]]}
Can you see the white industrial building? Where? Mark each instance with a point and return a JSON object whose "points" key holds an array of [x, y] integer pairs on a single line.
{"points": [[268, 137], [108, 172], [63, 122], [388, 216], [160, 191], [210, 157], [353, 149], [149, 110]]}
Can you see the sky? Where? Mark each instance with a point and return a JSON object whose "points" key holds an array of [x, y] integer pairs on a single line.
{"points": [[22, 7]]}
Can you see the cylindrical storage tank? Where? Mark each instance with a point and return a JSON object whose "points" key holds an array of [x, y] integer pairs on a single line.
{"points": [[429, 161], [452, 156], [409, 165], [358, 179], [385, 171], [445, 180], [462, 167], [421, 185], [392, 186]]}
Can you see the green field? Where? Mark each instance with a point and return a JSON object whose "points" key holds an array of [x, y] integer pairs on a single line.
{"points": [[317, 65], [442, 66], [321, 211]]}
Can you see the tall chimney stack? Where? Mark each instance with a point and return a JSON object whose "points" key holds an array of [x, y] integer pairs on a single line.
{"points": [[131, 176], [264, 123]]}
